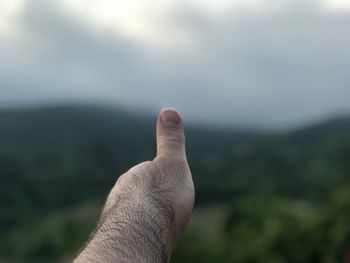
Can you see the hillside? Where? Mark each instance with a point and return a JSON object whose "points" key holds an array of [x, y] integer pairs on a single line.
{"points": [[61, 145], [64, 157]]}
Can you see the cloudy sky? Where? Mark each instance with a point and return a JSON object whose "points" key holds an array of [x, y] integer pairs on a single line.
{"points": [[260, 63]]}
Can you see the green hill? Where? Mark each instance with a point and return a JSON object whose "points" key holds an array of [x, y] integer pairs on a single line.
{"points": [[64, 158]]}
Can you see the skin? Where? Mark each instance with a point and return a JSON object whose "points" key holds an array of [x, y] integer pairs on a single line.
{"points": [[150, 205]]}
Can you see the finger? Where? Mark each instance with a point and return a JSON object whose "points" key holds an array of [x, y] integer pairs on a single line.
{"points": [[170, 134]]}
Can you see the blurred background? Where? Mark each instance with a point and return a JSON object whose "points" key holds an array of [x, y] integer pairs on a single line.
{"points": [[263, 88]]}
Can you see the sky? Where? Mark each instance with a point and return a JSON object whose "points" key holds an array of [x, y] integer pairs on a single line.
{"points": [[253, 63]]}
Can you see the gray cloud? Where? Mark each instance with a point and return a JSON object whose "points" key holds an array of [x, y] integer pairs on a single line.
{"points": [[276, 69]]}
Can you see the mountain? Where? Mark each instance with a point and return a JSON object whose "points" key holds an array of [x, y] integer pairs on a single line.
{"points": [[46, 152], [60, 158]]}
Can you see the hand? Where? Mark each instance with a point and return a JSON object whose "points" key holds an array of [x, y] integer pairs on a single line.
{"points": [[150, 205]]}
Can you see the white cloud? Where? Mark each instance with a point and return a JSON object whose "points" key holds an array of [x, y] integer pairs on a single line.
{"points": [[275, 68], [9, 12], [138, 20], [148, 20], [337, 5]]}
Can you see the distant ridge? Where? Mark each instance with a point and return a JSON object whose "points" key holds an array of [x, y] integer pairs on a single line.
{"points": [[89, 146]]}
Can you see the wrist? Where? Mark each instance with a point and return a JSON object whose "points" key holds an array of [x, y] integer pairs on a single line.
{"points": [[134, 231]]}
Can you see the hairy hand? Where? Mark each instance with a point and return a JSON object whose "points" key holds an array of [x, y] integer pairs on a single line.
{"points": [[150, 205]]}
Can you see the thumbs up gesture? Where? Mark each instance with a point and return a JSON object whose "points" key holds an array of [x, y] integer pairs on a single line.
{"points": [[150, 205]]}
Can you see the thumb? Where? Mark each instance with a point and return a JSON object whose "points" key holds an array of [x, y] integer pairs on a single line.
{"points": [[170, 134]]}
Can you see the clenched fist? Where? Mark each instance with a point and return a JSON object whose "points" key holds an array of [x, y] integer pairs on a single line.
{"points": [[150, 205]]}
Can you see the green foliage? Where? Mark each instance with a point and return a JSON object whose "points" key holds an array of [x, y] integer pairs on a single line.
{"points": [[280, 230], [286, 196], [194, 248]]}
